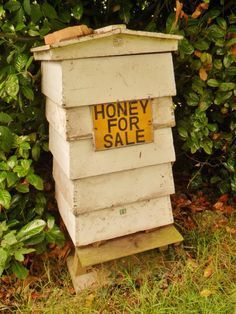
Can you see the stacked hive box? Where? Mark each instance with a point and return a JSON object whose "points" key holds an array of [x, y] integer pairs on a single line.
{"points": [[111, 184]]}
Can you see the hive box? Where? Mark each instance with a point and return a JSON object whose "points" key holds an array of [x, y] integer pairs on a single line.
{"points": [[110, 113]]}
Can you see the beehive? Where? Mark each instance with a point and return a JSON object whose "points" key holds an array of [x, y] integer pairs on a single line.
{"points": [[110, 113]]}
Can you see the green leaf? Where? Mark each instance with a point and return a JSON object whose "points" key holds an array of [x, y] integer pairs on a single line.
{"points": [[232, 29], [217, 64], [213, 83], [30, 60], [12, 178], [230, 165], [183, 132], [19, 254], [125, 11], [30, 230], [231, 71], [36, 149], [9, 239], [213, 127], [27, 7], [12, 85], [224, 87], [54, 235], [12, 161], [2, 12], [202, 44], [50, 222], [35, 240], [49, 10], [222, 23], [36, 181], [23, 169], [20, 61], [4, 165], [36, 13], [185, 47], [231, 42], [12, 5], [6, 139], [221, 97], [215, 32], [3, 260], [171, 28], [192, 99], [5, 199], [33, 32], [3, 175], [19, 270], [228, 59], [5, 118], [78, 11], [223, 186], [207, 146], [22, 187], [27, 92], [215, 179]]}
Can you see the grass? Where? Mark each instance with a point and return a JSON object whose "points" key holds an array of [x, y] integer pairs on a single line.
{"points": [[196, 277]]}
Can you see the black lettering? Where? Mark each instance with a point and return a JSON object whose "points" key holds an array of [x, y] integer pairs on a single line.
{"points": [[122, 124], [111, 110], [133, 121], [144, 103], [111, 123], [108, 141], [121, 108], [133, 108], [118, 140], [140, 136], [97, 111], [127, 139]]}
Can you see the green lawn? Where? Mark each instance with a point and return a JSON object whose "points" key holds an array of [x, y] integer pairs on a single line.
{"points": [[196, 277]]}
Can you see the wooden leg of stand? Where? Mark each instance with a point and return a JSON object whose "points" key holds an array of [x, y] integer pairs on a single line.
{"points": [[81, 277], [77, 267]]}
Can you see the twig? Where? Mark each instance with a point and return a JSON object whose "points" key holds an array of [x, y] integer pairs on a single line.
{"points": [[19, 38]]}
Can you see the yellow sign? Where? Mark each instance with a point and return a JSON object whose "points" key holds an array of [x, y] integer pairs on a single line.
{"points": [[122, 123]]}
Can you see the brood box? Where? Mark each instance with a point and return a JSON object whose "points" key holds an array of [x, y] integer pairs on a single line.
{"points": [[108, 103]]}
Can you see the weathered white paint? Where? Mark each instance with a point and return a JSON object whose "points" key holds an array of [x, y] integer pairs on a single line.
{"points": [[115, 40], [71, 123], [114, 189], [52, 80], [75, 123], [100, 80], [114, 222], [78, 158]]}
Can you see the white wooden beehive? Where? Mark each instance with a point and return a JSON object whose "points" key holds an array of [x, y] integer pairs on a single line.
{"points": [[104, 194]]}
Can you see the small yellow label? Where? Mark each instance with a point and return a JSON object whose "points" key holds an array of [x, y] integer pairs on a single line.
{"points": [[122, 124]]}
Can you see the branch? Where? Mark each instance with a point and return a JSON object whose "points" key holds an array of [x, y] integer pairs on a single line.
{"points": [[19, 38]]}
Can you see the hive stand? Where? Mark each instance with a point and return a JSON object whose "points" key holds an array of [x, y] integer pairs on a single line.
{"points": [[79, 265]]}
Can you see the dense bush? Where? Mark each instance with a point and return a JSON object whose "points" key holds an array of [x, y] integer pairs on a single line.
{"points": [[205, 71], [206, 101]]}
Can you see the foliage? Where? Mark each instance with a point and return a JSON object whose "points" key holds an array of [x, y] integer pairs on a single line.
{"points": [[23, 136], [206, 89]]}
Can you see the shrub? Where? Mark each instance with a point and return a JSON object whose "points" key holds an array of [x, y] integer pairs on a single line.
{"points": [[206, 93]]}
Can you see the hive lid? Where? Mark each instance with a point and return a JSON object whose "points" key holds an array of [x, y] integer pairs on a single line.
{"points": [[108, 41]]}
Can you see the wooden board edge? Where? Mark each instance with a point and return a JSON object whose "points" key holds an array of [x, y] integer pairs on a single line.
{"points": [[128, 245], [92, 278]]}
